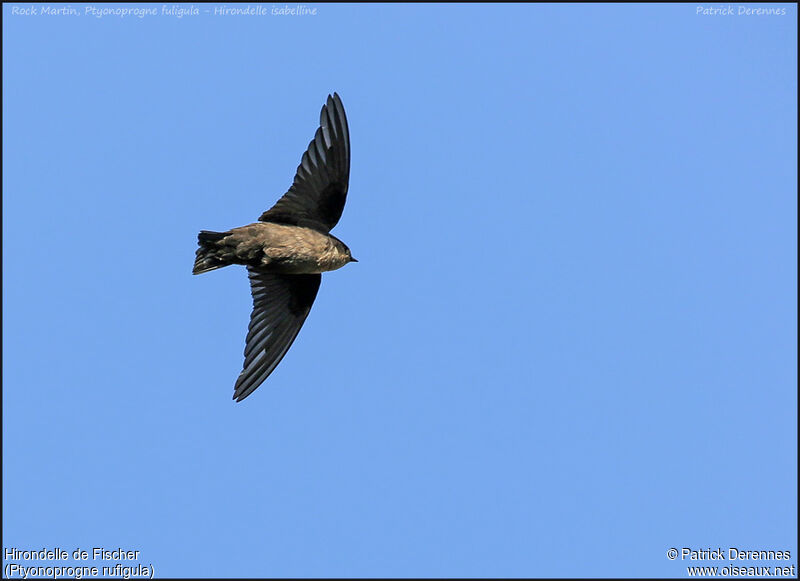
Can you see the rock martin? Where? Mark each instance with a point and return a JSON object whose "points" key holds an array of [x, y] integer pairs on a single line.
{"points": [[288, 248]]}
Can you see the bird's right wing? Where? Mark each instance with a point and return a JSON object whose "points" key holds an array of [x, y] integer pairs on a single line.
{"points": [[281, 304], [316, 198]]}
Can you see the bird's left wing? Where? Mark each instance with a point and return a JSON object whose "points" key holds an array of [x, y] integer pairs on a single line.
{"points": [[281, 304], [316, 198]]}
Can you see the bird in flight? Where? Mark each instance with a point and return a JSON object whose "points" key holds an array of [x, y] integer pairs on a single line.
{"points": [[288, 248]]}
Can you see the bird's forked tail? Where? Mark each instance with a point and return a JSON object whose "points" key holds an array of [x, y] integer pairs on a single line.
{"points": [[209, 253]]}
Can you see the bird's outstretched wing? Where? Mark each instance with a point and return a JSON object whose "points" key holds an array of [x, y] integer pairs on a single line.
{"points": [[280, 306], [316, 198]]}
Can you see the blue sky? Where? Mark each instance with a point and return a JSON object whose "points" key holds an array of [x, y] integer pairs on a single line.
{"points": [[569, 344]]}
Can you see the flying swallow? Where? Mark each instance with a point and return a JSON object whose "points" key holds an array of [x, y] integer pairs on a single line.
{"points": [[288, 248]]}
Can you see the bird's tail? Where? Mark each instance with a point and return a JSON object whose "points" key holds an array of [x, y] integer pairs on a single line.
{"points": [[208, 254]]}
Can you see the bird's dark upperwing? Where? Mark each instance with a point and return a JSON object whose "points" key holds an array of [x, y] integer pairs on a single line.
{"points": [[280, 306], [316, 198]]}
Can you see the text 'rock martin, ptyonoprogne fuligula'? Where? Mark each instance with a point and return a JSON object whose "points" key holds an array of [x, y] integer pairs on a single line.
{"points": [[288, 248]]}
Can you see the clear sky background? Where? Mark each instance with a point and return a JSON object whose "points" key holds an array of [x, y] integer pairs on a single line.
{"points": [[569, 344]]}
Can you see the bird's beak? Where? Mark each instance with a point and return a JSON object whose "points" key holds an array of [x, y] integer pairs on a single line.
{"points": [[353, 259]]}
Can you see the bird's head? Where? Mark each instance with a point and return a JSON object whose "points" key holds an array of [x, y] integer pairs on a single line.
{"points": [[343, 251], [348, 254]]}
